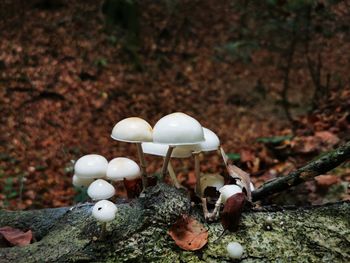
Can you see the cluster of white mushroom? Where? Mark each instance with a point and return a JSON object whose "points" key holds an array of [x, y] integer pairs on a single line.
{"points": [[176, 135]]}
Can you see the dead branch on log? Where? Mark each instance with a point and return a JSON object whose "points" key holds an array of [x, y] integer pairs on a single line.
{"points": [[319, 166]]}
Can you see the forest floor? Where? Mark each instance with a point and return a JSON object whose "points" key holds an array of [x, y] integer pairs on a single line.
{"points": [[65, 81]]}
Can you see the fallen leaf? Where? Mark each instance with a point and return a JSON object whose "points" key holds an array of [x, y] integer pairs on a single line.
{"points": [[327, 180], [189, 234], [16, 237], [232, 212], [327, 137], [237, 173]]}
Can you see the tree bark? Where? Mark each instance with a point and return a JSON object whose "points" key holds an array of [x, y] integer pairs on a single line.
{"points": [[139, 233]]}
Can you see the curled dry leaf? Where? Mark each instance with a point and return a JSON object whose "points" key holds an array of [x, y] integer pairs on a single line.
{"points": [[237, 173], [16, 237], [188, 233], [232, 212]]}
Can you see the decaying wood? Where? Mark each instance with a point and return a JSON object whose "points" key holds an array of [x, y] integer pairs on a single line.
{"points": [[319, 166], [139, 233]]}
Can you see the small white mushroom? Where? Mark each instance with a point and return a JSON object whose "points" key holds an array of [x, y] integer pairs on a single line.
{"points": [[210, 180], [91, 166], [234, 250], [229, 190], [104, 211], [81, 182], [100, 189], [177, 129], [121, 167], [134, 130]]}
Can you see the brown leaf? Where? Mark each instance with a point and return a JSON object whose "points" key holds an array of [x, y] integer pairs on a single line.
{"points": [[232, 212], [237, 173], [327, 180], [327, 137], [189, 234], [16, 237]]}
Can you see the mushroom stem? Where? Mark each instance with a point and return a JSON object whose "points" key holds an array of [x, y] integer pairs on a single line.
{"points": [[142, 165], [166, 161], [215, 214], [205, 208], [173, 175], [103, 230], [197, 171]]}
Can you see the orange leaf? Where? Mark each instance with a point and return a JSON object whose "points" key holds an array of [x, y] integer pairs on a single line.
{"points": [[189, 234], [16, 237]]}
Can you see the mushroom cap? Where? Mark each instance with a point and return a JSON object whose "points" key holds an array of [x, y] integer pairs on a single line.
{"points": [[211, 180], [211, 142], [81, 182], [100, 189], [234, 250], [91, 166], [178, 129], [133, 129], [158, 149], [229, 190], [104, 211], [121, 167]]}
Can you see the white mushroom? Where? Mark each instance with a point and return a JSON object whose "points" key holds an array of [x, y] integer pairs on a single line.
{"points": [[161, 150], [177, 129], [210, 180], [91, 166], [81, 182], [104, 211], [134, 130], [229, 190], [234, 250], [123, 168], [158, 149], [100, 189]]}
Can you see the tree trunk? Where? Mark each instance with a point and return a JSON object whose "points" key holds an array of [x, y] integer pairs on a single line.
{"points": [[139, 233]]}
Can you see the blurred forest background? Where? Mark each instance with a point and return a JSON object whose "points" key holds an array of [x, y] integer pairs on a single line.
{"points": [[271, 78]]}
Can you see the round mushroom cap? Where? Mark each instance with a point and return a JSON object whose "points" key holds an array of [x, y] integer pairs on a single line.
{"points": [[211, 180], [132, 129], [81, 182], [229, 190], [211, 142], [158, 149], [121, 167], [104, 211], [178, 129], [100, 189], [91, 166], [234, 250]]}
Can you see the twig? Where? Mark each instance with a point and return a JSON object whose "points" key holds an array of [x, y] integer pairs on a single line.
{"points": [[319, 166]]}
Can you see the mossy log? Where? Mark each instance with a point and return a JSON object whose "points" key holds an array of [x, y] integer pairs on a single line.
{"points": [[139, 233]]}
